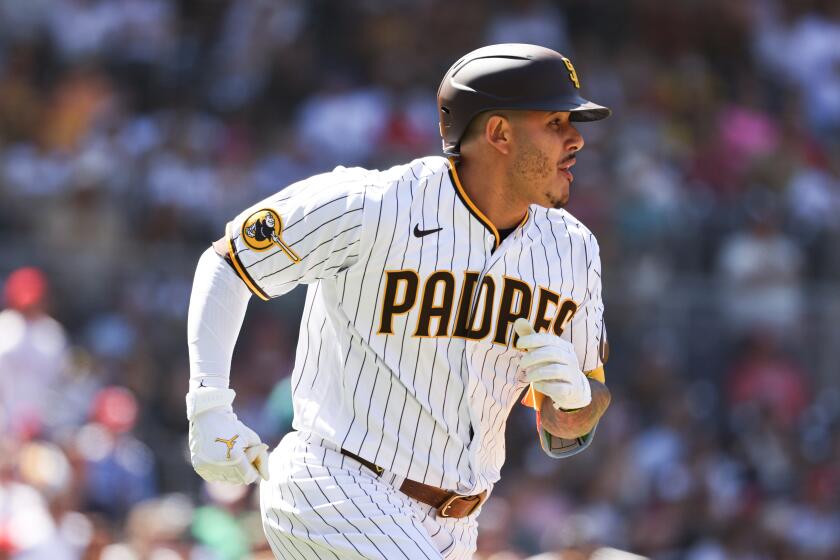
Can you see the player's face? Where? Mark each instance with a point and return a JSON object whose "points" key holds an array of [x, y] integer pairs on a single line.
{"points": [[544, 148]]}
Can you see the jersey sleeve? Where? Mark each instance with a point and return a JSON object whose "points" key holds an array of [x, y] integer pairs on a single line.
{"points": [[309, 231], [588, 335], [588, 332]]}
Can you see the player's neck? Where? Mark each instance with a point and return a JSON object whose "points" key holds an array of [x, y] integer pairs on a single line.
{"points": [[488, 190]]}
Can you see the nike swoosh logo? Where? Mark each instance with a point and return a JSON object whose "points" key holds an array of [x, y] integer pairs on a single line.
{"points": [[423, 232]]}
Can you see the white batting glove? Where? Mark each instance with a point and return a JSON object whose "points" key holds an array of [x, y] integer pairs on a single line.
{"points": [[223, 449], [551, 365]]}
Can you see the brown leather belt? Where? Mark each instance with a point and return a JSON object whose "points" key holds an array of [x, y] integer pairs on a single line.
{"points": [[448, 504]]}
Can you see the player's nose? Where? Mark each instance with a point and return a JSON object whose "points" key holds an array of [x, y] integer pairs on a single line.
{"points": [[574, 140]]}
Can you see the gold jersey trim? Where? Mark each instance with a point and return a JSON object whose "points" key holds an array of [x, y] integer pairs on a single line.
{"points": [[240, 269]]}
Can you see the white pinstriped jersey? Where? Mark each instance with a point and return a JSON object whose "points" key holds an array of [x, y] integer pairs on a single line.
{"points": [[405, 354]]}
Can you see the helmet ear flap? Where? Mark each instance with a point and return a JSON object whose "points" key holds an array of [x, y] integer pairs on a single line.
{"points": [[450, 128]]}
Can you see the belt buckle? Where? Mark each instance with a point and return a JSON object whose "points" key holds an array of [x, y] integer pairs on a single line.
{"points": [[443, 510]]}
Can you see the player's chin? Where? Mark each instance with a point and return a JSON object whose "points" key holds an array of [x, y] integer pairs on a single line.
{"points": [[565, 185], [558, 197], [561, 202], [554, 200]]}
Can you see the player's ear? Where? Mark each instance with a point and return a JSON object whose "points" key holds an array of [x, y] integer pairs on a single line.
{"points": [[497, 132]]}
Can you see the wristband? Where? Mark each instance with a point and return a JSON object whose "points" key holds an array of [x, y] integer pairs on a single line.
{"points": [[204, 398]]}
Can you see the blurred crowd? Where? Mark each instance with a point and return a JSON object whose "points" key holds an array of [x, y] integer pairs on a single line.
{"points": [[132, 130]]}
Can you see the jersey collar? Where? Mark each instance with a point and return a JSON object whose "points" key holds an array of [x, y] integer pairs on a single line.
{"points": [[462, 194]]}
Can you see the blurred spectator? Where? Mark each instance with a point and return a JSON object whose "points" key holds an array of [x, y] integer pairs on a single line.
{"points": [[119, 468], [27, 527], [761, 275], [222, 524], [21, 106], [343, 123], [83, 96], [529, 21], [763, 376], [33, 353], [252, 37], [812, 31]]}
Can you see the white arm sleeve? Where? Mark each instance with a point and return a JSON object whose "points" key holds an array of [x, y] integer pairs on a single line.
{"points": [[217, 308]]}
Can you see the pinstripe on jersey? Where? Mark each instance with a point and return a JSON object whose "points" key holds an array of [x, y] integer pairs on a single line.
{"points": [[424, 398]]}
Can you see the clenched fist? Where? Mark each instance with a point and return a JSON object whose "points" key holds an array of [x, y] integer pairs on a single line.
{"points": [[551, 366], [223, 449]]}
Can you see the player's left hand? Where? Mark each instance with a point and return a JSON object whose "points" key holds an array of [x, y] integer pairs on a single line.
{"points": [[551, 365]]}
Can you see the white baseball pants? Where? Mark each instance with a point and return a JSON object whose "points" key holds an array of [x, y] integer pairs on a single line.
{"points": [[319, 504]]}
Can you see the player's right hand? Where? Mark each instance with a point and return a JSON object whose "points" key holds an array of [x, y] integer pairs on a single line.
{"points": [[551, 366], [223, 449]]}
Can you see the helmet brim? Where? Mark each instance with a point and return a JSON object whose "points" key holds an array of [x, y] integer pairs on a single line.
{"points": [[580, 109], [589, 112]]}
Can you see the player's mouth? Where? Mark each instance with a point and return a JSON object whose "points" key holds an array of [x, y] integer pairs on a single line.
{"points": [[565, 167]]}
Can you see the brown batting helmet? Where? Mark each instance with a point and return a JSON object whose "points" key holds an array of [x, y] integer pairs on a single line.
{"points": [[509, 76]]}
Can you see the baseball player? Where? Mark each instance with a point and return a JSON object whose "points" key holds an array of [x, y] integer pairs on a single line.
{"points": [[439, 292]]}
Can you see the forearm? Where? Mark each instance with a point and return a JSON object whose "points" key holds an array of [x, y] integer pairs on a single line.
{"points": [[577, 423], [217, 308]]}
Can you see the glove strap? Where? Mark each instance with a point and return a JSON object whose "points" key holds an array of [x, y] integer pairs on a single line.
{"points": [[204, 398]]}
